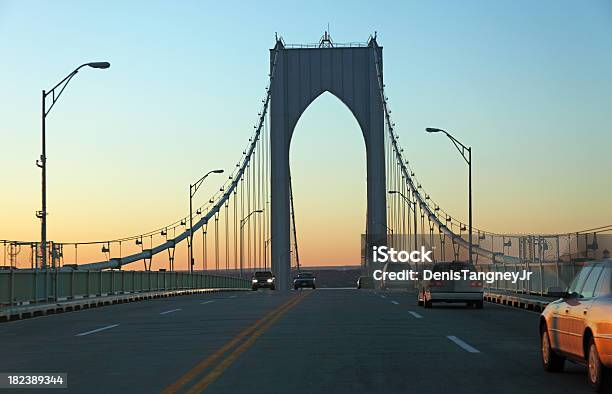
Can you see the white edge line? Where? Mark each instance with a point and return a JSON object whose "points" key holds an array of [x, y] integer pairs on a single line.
{"points": [[395, 302], [96, 330], [416, 315], [468, 348], [206, 302], [170, 311]]}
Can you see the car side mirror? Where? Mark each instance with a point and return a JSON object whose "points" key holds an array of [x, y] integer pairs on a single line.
{"points": [[556, 292], [572, 295]]}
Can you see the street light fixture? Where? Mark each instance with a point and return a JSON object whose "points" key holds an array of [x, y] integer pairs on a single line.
{"points": [[192, 191], [411, 204], [101, 65], [42, 162], [242, 223], [468, 159]]}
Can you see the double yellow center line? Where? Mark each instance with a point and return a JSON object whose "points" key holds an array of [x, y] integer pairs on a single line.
{"points": [[237, 346]]}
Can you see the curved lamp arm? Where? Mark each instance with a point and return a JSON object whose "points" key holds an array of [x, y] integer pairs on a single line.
{"points": [[64, 82]]}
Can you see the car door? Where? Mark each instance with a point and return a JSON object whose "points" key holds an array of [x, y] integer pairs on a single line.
{"points": [[561, 321], [578, 313]]}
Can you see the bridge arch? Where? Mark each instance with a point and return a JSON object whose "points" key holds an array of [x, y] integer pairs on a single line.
{"points": [[300, 75], [328, 173]]}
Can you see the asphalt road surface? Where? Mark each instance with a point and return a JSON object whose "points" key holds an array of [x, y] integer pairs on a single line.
{"points": [[321, 341]]}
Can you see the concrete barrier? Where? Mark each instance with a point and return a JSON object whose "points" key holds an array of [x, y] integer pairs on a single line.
{"points": [[26, 287], [522, 301]]}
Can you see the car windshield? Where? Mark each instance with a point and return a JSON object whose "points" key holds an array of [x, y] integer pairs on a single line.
{"points": [[579, 280], [605, 283], [263, 274]]}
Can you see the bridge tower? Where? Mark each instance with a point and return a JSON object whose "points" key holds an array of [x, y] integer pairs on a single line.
{"points": [[299, 75]]}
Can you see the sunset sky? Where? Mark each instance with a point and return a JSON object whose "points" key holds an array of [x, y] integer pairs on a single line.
{"points": [[526, 84]]}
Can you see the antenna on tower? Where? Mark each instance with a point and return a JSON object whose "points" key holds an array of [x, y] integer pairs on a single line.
{"points": [[326, 41]]}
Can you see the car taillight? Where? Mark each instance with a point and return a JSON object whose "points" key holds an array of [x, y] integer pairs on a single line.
{"points": [[476, 283]]}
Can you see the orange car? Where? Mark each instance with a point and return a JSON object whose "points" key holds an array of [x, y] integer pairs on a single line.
{"points": [[578, 327]]}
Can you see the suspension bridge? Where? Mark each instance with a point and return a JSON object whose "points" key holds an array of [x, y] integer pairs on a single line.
{"points": [[249, 224]]}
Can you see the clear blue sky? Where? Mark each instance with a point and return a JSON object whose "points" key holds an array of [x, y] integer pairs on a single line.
{"points": [[527, 84]]}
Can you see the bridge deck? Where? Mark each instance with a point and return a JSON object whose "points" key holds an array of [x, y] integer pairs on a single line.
{"points": [[326, 341]]}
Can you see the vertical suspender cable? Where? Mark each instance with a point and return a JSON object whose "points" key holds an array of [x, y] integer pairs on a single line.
{"points": [[204, 249], [235, 229], [257, 204], [241, 219], [248, 224], [217, 241], [261, 205], [227, 235]]}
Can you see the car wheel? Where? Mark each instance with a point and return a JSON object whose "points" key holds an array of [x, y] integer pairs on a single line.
{"points": [[254, 288], [420, 299], [427, 303], [599, 376], [551, 361], [314, 287], [479, 304], [272, 287], [295, 287]]}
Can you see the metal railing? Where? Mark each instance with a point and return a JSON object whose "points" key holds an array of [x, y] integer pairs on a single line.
{"points": [[18, 287], [544, 276]]}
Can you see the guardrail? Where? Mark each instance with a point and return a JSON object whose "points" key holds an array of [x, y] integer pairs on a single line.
{"points": [[521, 301], [23, 287], [544, 276]]}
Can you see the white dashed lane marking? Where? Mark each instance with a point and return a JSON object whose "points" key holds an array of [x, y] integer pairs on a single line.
{"points": [[96, 330], [170, 311], [468, 348]]}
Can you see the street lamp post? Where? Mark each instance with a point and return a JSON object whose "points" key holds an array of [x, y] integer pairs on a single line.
{"points": [[266, 243], [468, 159], [42, 163], [410, 204], [242, 223], [192, 191]]}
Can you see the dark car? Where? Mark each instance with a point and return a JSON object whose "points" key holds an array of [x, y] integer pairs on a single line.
{"points": [[304, 279], [365, 282], [263, 279]]}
